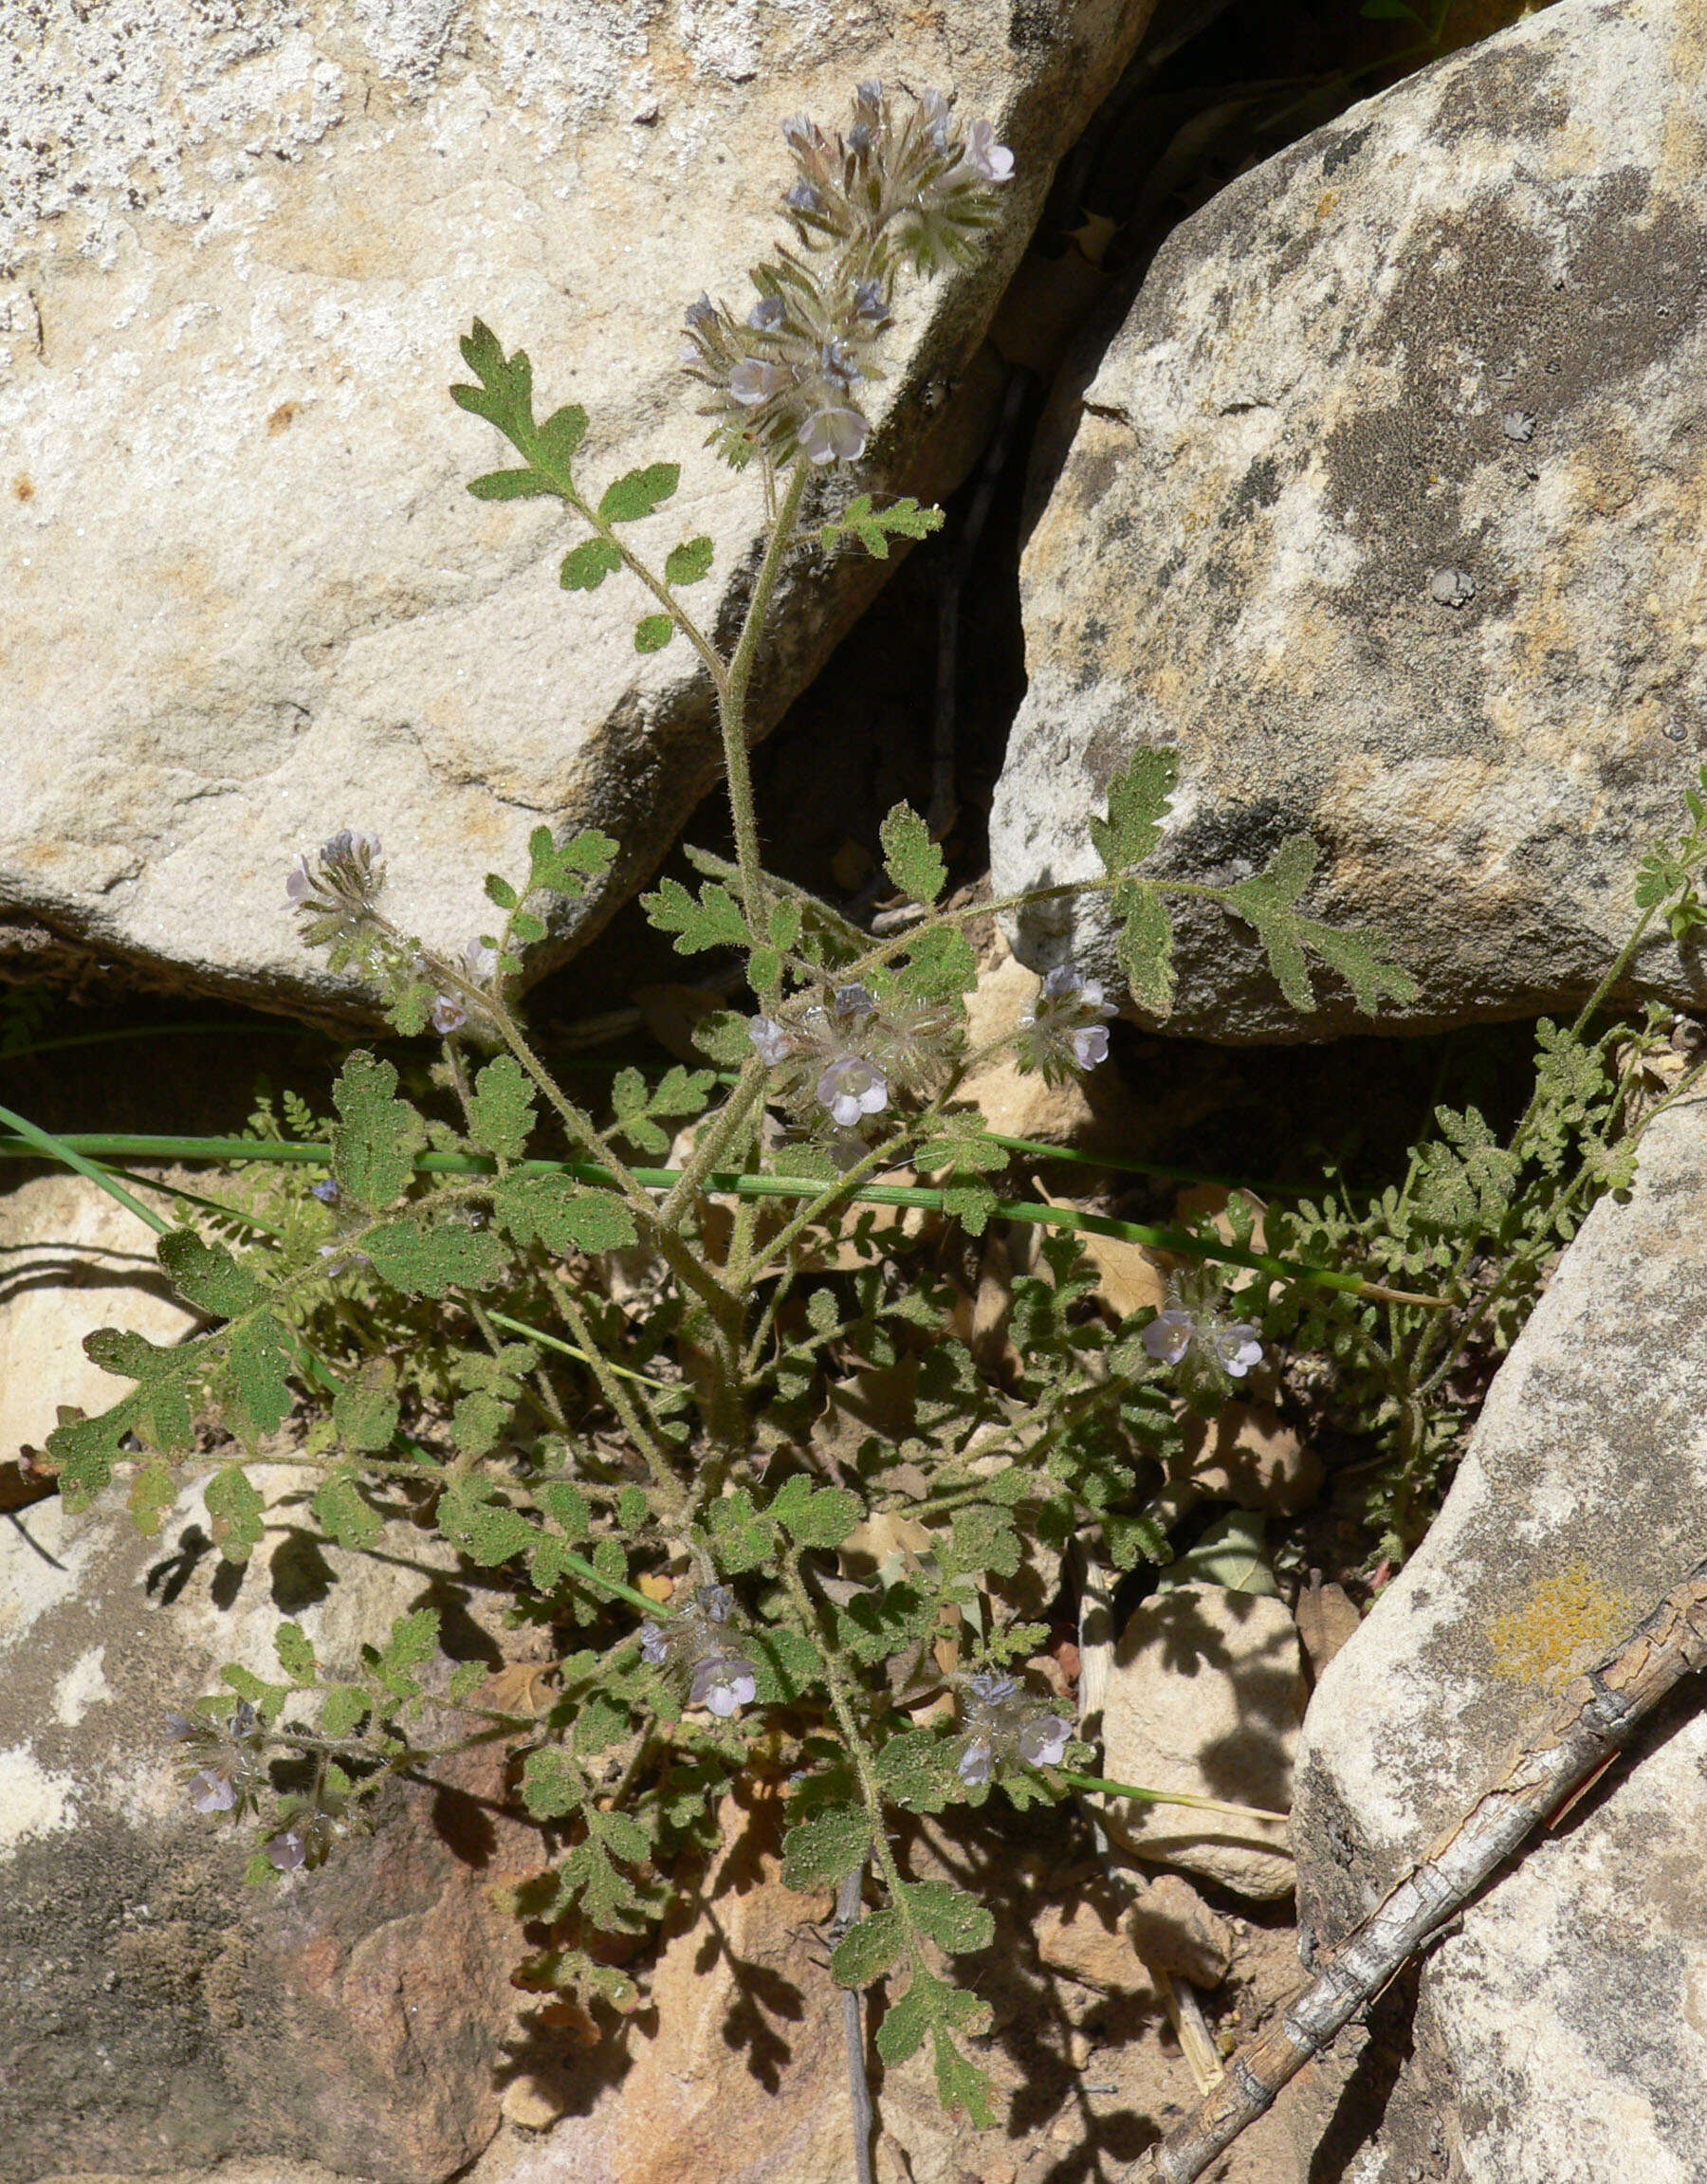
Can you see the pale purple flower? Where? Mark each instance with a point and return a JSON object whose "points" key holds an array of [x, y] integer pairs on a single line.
{"points": [[1064, 1026], [989, 160], [798, 131], [653, 1645], [286, 1852], [977, 1755], [837, 364], [833, 435], [1168, 1336], [752, 382], [299, 884], [802, 197], [1044, 1740], [1090, 1045], [870, 93], [702, 313], [481, 963], [770, 1040], [724, 1684], [212, 1791], [766, 315], [718, 1602], [325, 1190], [869, 303], [1238, 1348], [447, 1015], [991, 1689], [851, 1087]]}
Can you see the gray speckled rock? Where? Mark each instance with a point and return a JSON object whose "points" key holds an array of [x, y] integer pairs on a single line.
{"points": [[1562, 2034], [244, 598], [1384, 505]]}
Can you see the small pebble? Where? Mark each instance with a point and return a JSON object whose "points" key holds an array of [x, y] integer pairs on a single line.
{"points": [[1451, 587]]}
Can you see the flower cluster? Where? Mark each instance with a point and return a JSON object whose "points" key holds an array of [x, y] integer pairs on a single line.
{"points": [[696, 1645], [1003, 1729], [901, 189], [313, 1824], [1193, 1334], [1066, 1027], [223, 1767], [338, 894], [843, 1057]]}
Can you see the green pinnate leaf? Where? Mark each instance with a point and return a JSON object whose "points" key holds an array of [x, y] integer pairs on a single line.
{"points": [[742, 1536], [940, 965], [1138, 803], [562, 434], [1145, 948], [466, 1682], [551, 1786], [822, 1851], [295, 1656], [501, 1108], [377, 1136], [477, 1422], [563, 868], [874, 528], [678, 1095], [565, 1505], [870, 1948], [639, 493], [653, 632], [814, 1516], [586, 566], [712, 920], [957, 1922], [207, 1276], [963, 2087], [1357, 955], [342, 1514], [504, 395], [412, 1642], [342, 1709], [911, 859], [689, 564], [433, 1262], [485, 1530], [152, 1492], [917, 1769], [235, 1512], [561, 1215], [510, 485], [364, 1410], [259, 1358]]}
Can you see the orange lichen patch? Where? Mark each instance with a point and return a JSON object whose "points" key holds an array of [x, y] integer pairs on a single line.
{"points": [[1568, 1622], [22, 488], [282, 416]]}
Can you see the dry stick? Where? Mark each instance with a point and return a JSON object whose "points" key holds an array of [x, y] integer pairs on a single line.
{"points": [[860, 2091], [1595, 1716]]}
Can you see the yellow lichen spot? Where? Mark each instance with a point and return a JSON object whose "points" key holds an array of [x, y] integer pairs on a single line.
{"points": [[1569, 1622]]}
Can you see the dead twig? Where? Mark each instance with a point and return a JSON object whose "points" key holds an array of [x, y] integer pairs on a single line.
{"points": [[1594, 1718], [860, 2091]]}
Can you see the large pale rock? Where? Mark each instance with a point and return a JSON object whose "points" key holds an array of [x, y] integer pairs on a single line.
{"points": [[162, 2016], [244, 599], [1207, 1697], [1561, 2033], [72, 1259], [1383, 505]]}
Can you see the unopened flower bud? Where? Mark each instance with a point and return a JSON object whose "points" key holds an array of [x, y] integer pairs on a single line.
{"points": [[767, 314], [770, 1040]]}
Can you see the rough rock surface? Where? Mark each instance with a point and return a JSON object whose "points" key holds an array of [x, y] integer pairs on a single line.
{"points": [[164, 2015], [1205, 1696], [1384, 506], [1563, 2033], [71, 1260], [244, 598]]}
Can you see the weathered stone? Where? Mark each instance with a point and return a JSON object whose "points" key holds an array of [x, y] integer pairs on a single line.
{"points": [[1381, 507], [71, 1260], [246, 600], [162, 2016], [1563, 2031], [1247, 1455], [1175, 1930], [1205, 1696], [1085, 1939]]}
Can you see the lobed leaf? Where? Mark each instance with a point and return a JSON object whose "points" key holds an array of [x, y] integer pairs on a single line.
{"points": [[376, 1141], [1138, 803], [911, 858], [639, 493]]}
